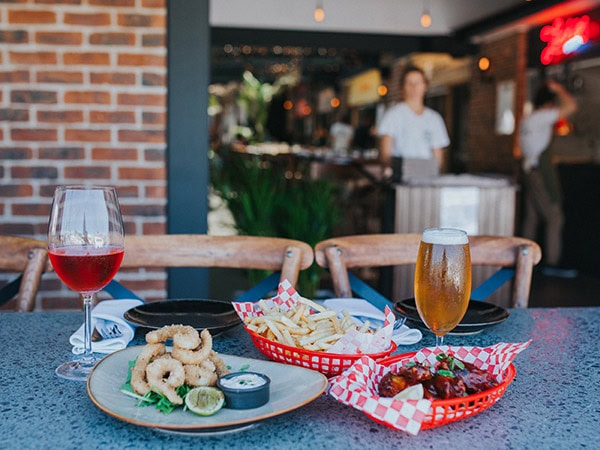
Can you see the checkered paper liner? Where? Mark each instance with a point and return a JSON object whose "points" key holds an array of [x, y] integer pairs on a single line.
{"points": [[352, 343], [357, 387]]}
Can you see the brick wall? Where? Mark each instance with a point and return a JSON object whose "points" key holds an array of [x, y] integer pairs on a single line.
{"points": [[488, 151], [82, 100]]}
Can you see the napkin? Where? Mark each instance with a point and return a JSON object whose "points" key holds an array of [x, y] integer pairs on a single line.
{"points": [[110, 311], [359, 308]]}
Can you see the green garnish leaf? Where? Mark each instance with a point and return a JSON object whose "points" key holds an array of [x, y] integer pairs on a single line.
{"points": [[445, 373], [410, 364], [459, 364], [441, 356], [244, 368]]}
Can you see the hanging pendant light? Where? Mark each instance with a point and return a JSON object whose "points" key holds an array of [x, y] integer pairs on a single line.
{"points": [[426, 15], [319, 13]]}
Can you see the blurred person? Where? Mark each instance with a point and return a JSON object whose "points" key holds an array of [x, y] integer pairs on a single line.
{"points": [[364, 135], [412, 136], [340, 135], [543, 195]]}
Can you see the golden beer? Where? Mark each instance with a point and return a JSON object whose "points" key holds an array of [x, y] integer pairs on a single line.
{"points": [[443, 279]]}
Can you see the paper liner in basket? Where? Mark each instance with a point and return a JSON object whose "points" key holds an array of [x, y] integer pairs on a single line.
{"points": [[357, 385], [352, 343]]}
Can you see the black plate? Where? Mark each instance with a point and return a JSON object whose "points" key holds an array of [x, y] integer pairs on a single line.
{"points": [[479, 316], [216, 315]]}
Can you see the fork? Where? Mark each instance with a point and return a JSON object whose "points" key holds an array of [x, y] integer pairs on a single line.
{"points": [[397, 324], [105, 330]]}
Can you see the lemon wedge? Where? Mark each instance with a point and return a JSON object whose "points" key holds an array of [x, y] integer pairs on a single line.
{"points": [[410, 393], [204, 400]]}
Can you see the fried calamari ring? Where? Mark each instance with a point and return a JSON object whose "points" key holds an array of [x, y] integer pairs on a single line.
{"points": [[149, 352], [164, 375], [201, 375], [220, 366], [183, 336], [195, 356]]}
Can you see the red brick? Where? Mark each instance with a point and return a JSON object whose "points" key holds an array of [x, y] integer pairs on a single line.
{"points": [[154, 118], [154, 3], [141, 59], [143, 210], [112, 117], [142, 99], [32, 57], [154, 155], [26, 16], [112, 78], [112, 39], [129, 191], [92, 19], [87, 172], [87, 58], [28, 134], [87, 97], [60, 76], [141, 136], [62, 153], [142, 20], [112, 2], [70, 116], [14, 76], [16, 190], [14, 115], [153, 79], [156, 192], [19, 229], [142, 173], [114, 154], [154, 40], [55, 2], [14, 153], [41, 172], [87, 135], [14, 37], [154, 228], [59, 38], [61, 303], [30, 209], [42, 97]]}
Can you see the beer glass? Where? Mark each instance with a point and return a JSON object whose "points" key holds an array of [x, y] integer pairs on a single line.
{"points": [[443, 279]]}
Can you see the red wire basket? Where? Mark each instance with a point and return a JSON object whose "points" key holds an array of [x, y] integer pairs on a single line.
{"points": [[451, 410], [329, 364]]}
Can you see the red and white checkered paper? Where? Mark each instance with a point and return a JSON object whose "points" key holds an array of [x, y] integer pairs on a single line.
{"points": [[353, 342], [357, 385]]}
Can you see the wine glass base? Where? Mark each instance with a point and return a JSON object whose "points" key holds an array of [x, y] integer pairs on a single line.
{"points": [[75, 370]]}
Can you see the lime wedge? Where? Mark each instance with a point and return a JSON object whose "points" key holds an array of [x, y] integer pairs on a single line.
{"points": [[204, 400], [410, 393]]}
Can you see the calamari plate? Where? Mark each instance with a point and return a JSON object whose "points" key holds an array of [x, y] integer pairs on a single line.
{"points": [[291, 388], [215, 315], [479, 316]]}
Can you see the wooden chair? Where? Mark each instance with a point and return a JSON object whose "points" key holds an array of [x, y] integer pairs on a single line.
{"points": [[377, 250], [236, 252], [29, 258]]}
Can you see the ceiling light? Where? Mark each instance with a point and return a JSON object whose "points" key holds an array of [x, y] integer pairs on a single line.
{"points": [[319, 13], [425, 16]]}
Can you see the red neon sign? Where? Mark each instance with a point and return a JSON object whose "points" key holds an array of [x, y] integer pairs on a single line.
{"points": [[564, 37]]}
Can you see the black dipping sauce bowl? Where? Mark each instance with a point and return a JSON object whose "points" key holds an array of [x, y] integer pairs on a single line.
{"points": [[245, 397]]}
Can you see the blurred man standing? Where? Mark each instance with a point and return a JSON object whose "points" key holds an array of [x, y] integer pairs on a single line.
{"points": [[543, 195]]}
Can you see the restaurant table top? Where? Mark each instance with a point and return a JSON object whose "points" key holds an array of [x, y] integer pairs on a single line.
{"points": [[553, 403]]}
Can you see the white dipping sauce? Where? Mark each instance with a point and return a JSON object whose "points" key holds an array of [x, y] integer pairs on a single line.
{"points": [[243, 381]]}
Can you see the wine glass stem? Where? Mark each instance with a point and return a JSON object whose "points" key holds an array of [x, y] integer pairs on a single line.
{"points": [[439, 340], [88, 356]]}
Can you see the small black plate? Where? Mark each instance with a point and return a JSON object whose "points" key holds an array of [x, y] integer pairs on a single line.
{"points": [[215, 315], [478, 317]]}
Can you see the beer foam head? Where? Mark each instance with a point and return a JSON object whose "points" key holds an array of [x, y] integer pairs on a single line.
{"points": [[445, 236]]}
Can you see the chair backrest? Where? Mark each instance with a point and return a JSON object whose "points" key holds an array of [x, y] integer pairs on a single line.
{"points": [[377, 250], [197, 250], [26, 256]]}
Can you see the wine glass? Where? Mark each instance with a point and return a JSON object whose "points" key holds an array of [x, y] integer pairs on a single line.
{"points": [[85, 247], [443, 279]]}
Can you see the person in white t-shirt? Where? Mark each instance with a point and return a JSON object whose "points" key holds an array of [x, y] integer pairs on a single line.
{"points": [[340, 135], [543, 196], [411, 132]]}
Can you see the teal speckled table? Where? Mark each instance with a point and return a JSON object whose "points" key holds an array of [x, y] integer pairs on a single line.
{"points": [[553, 403]]}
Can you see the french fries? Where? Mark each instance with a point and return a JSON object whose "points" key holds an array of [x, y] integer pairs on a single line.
{"points": [[306, 325]]}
